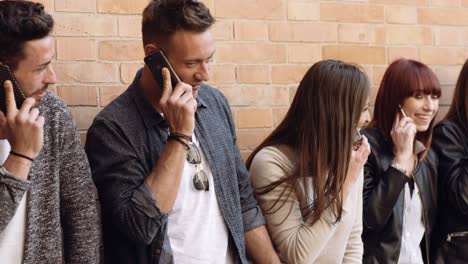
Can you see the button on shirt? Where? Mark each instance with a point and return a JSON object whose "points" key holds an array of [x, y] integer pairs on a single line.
{"points": [[413, 228]]}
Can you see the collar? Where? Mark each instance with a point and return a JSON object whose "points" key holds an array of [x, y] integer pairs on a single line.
{"points": [[149, 115]]}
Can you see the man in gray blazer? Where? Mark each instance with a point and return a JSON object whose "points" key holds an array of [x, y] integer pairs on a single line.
{"points": [[171, 180], [47, 197]]}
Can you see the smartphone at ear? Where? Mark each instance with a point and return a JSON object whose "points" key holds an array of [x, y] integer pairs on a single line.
{"points": [[156, 62], [402, 111], [357, 139], [6, 74]]}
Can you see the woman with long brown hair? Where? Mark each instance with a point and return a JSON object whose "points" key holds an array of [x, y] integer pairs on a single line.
{"points": [[400, 176], [306, 174], [451, 144]]}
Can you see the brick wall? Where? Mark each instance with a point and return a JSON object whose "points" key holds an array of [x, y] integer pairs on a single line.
{"points": [[263, 49]]}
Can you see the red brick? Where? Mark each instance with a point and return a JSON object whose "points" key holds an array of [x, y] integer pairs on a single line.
{"points": [[250, 139], [86, 72], [255, 118], [446, 3], [108, 93], [447, 16], [48, 5], [84, 116], [377, 75], [258, 9], [356, 54], [402, 2], [449, 36], [351, 13], [304, 53], [130, 26], [253, 73], [278, 115], [379, 35], [78, 95], [354, 33], [447, 75], [403, 52], [222, 74], [288, 74], [256, 95], [128, 71], [442, 56], [84, 25], [209, 4], [303, 10], [405, 35], [76, 49], [447, 95], [251, 30], [121, 50], [464, 3], [250, 52], [304, 32], [83, 135], [223, 30], [75, 6], [121, 6], [245, 154], [401, 15]]}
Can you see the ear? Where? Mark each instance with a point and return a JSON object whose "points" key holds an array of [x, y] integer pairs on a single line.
{"points": [[150, 49]]}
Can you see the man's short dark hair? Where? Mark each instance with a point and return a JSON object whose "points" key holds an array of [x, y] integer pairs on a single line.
{"points": [[21, 21], [162, 18]]}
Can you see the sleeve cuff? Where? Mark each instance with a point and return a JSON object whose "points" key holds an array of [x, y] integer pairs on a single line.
{"points": [[144, 199], [253, 218], [11, 180]]}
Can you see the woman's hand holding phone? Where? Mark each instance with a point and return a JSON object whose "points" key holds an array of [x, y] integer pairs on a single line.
{"points": [[403, 134], [178, 105], [358, 159], [22, 127]]}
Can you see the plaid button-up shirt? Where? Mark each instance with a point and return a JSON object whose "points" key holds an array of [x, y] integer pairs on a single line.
{"points": [[123, 144]]}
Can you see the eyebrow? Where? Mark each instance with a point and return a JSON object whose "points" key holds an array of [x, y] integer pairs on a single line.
{"points": [[197, 60]]}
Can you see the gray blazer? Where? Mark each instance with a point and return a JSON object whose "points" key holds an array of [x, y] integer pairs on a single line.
{"points": [[62, 222]]}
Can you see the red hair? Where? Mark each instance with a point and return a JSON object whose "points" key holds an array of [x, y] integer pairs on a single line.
{"points": [[402, 79]]}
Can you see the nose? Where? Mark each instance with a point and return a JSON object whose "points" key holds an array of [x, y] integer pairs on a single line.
{"points": [[50, 77], [203, 72], [431, 103]]}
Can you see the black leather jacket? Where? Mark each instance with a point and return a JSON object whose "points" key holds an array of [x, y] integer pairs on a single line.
{"points": [[384, 201], [450, 141]]}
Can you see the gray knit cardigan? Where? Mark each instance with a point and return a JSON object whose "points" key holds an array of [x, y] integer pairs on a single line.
{"points": [[62, 222]]}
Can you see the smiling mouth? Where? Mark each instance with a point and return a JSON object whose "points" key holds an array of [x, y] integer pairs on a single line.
{"points": [[424, 116]]}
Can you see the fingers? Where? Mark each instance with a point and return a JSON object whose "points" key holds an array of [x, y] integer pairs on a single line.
{"points": [[396, 121], [167, 86], [9, 97]]}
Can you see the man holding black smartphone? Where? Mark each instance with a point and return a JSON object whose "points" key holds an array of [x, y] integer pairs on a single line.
{"points": [[172, 183], [47, 197]]}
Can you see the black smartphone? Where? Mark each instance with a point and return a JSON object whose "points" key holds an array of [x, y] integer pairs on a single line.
{"points": [[357, 139], [156, 62], [6, 74]]}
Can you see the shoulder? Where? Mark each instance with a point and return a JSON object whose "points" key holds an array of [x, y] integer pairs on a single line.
{"points": [[272, 163], [213, 96], [56, 112], [446, 127]]}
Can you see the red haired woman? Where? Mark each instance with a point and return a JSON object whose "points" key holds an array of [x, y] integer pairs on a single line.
{"points": [[400, 176]]}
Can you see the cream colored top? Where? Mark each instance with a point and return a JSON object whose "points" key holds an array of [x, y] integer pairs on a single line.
{"points": [[294, 237]]}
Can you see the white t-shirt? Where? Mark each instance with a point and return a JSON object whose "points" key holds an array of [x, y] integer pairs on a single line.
{"points": [[196, 228], [12, 237]]}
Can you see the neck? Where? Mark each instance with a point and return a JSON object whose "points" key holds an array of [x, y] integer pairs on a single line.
{"points": [[150, 88]]}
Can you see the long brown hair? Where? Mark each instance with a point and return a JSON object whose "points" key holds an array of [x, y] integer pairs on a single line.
{"points": [[319, 126], [402, 79], [459, 107]]}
